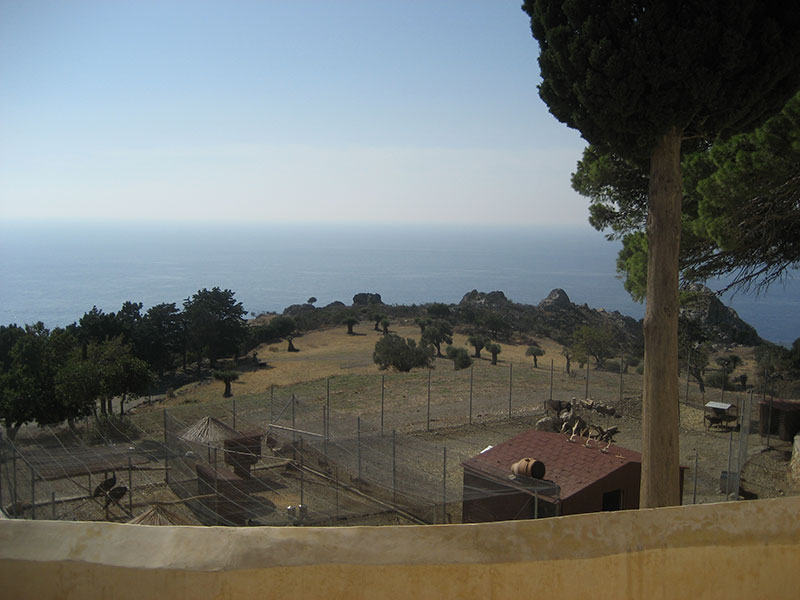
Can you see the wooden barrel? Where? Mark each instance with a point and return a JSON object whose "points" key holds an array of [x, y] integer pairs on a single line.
{"points": [[529, 467]]}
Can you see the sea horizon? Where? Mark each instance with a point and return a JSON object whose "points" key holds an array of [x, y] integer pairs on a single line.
{"points": [[55, 271]]}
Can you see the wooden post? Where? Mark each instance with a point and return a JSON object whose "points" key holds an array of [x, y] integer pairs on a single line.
{"points": [[694, 491], [53, 506], [551, 378], [234, 413], [358, 438], [621, 365]]}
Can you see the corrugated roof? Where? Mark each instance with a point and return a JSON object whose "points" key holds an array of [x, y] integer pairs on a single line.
{"points": [[570, 465]]}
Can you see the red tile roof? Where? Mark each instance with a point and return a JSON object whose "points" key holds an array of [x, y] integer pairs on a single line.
{"points": [[570, 465]]}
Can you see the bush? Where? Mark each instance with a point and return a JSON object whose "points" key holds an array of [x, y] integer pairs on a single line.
{"points": [[611, 366], [402, 354], [460, 357]]}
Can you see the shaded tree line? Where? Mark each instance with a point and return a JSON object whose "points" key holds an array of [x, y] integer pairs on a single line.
{"points": [[62, 374]]}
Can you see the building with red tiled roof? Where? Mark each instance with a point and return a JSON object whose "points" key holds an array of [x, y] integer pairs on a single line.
{"points": [[579, 478]]}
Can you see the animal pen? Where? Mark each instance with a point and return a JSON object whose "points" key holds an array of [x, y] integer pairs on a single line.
{"points": [[329, 452]]}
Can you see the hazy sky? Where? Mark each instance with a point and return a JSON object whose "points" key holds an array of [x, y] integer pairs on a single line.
{"points": [[420, 111]]}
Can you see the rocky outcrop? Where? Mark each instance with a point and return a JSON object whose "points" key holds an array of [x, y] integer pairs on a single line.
{"points": [[555, 317], [718, 322], [365, 298], [557, 299], [490, 300]]}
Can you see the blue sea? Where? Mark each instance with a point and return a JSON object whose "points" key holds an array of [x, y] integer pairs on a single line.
{"points": [[54, 272]]}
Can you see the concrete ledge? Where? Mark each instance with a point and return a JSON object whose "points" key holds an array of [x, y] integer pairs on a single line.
{"points": [[715, 550]]}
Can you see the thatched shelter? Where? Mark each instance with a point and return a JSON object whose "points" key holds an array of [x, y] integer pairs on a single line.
{"points": [[158, 514], [209, 431]]}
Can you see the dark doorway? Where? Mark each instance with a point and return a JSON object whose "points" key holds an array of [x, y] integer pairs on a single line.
{"points": [[612, 500]]}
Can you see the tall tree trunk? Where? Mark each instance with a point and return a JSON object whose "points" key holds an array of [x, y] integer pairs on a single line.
{"points": [[660, 483]]}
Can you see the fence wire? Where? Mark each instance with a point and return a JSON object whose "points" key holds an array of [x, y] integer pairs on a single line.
{"points": [[345, 450]]}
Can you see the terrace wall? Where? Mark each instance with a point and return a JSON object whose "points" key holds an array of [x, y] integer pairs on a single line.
{"points": [[735, 549]]}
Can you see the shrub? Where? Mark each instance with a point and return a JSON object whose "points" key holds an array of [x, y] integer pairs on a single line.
{"points": [[460, 357], [402, 354]]}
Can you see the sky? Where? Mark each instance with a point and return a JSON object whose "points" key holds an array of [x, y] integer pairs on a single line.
{"points": [[327, 111]]}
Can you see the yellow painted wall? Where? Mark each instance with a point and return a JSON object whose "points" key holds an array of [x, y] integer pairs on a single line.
{"points": [[738, 549]]}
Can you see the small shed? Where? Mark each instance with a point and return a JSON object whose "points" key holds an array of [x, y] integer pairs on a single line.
{"points": [[241, 449], [589, 478], [781, 417]]}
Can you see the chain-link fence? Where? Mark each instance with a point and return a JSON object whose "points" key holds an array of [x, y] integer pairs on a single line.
{"points": [[348, 449]]}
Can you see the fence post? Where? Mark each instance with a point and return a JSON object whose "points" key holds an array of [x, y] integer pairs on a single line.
{"points": [[621, 364], [166, 453], [130, 487], [728, 478], [302, 478], [33, 494], [325, 432], [358, 438], [510, 379], [444, 484], [271, 398], [551, 379], [336, 490], [294, 427], [14, 475], [694, 491], [234, 413], [688, 370], [383, 377], [471, 367], [428, 425], [53, 505], [586, 394], [394, 466]]}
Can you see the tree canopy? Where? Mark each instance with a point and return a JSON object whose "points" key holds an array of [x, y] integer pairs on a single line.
{"points": [[403, 354], [741, 205], [215, 324]]}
